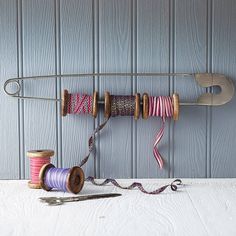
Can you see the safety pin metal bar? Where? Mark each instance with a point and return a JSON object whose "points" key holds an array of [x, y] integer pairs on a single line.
{"points": [[205, 80]]}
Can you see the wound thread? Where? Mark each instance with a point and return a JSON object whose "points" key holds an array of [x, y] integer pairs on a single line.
{"points": [[122, 105], [161, 106], [55, 178], [80, 104], [62, 179], [35, 166], [38, 158]]}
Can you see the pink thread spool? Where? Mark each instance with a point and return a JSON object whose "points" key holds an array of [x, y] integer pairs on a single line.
{"points": [[38, 158]]}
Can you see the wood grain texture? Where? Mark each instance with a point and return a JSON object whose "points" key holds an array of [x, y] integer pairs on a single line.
{"points": [[39, 58], [9, 126], [223, 140], [115, 55], [77, 57], [200, 207], [190, 56], [152, 42]]}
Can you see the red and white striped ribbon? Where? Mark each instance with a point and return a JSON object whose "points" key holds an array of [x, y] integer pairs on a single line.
{"points": [[160, 106], [80, 104]]}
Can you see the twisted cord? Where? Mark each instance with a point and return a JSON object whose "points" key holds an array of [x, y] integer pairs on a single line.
{"points": [[173, 185]]}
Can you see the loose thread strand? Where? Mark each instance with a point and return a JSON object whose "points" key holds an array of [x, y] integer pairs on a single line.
{"points": [[173, 185]]}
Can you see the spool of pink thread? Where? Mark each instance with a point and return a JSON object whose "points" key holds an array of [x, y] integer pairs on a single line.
{"points": [[38, 158]]}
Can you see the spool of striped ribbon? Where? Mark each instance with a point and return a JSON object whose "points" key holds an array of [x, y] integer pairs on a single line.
{"points": [[163, 107], [78, 103]]}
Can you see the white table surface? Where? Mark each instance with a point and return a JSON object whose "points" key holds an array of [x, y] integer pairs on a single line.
{"points": [[200, 207]]}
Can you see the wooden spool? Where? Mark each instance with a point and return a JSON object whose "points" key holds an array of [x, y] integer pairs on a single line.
{"points": [[175, 105], [38, 154], [74, 181], [65, 100], [107, 101]]}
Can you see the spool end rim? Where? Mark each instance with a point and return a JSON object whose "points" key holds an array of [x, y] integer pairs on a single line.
{"points": [[176, 106], [107, 105], [40, 153], [42, 175], [95, 104], [145, 106], [75, 180], [34, 185], [137, 106], [64, 102]]}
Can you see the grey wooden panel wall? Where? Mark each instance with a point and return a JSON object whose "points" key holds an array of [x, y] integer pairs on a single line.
{"points": [[72, 36]]}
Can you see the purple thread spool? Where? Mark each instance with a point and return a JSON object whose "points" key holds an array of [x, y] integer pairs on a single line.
{"points": [[67, 180]]}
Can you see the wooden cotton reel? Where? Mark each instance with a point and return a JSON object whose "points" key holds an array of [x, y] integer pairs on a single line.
{"points": [[108, 105], [74, 179], [65, 102], [175, 99], [37, 159]]}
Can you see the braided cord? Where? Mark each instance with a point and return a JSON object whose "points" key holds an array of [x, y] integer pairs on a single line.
{"points": [[122, 105]]}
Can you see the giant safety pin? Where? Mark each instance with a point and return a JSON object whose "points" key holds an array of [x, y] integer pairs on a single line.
{"points": [[205, 80]]}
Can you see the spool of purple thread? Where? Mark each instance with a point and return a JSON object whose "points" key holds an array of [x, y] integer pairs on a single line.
{"points": [[66, 180]]}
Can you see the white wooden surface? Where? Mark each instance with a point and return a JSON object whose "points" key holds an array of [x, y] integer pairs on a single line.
{"points": [[200, 207]]}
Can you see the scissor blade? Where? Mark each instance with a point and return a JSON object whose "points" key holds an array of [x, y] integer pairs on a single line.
{"points": [[97, 196], [77, 198]]}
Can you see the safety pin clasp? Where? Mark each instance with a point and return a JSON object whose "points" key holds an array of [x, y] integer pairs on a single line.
{"points": [[207, 80]]}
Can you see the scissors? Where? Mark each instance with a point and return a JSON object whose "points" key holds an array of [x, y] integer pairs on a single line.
{"points": [[55, 201]]}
